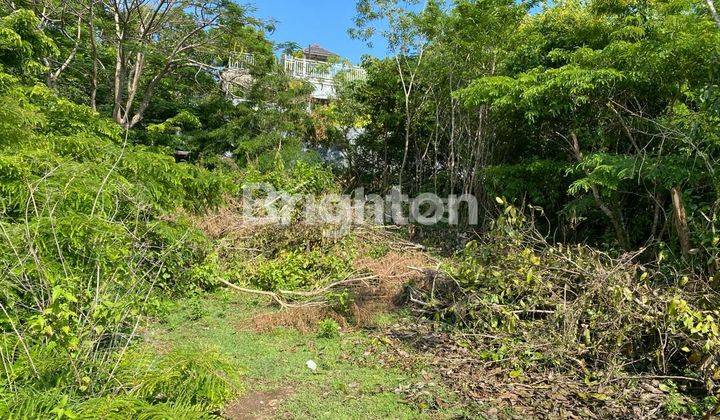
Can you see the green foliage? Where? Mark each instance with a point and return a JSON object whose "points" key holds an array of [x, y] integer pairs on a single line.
{"points": [[379, 251], [297, 269], [205, 275], [328, 328], [88, 244], [196, 310], [123, 406], [173, 131], [22, 44], [679, 404], [340, 301], [300, 177], [595, 111], [289, 258], [186, 376], [271, 121], [184, 383], [603, 113], [540, 183], [603, 76]]}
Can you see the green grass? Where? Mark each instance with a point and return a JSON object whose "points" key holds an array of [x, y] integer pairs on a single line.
{"points": [[348, 384]]}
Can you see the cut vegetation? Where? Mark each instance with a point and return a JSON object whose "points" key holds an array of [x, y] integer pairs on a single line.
{"points": [[140, 278]]}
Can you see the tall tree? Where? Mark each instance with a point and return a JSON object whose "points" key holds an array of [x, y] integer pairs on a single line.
{"points": [[406, 42]]}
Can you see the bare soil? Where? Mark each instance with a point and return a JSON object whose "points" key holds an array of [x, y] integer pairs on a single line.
{"points": [[257, 405]]}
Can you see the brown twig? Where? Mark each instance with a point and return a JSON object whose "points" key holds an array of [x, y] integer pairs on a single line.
{"points": [[279, 296], [657, 377]]}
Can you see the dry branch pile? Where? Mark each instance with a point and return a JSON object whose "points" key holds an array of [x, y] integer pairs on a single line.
{"points": [[575, 311]]}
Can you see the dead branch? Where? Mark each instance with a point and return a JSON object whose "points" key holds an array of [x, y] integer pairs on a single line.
{"points": [[657, 377], [280, 296], [329, 287], [274, 296]]}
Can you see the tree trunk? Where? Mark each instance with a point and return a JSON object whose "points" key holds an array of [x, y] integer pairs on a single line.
{"points": [[119, 73], [407, 145], [713, 11], [620, 233], [134, 84], [681, 221], [452, 145], [93, 53], [386, 164], [53, 76], [407, 90]]}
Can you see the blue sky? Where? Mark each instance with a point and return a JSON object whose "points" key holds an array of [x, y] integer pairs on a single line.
{"points": [[323, 22]]}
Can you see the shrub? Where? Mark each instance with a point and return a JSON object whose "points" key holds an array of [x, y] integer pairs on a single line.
{"points": [[187, 376], [299, 177], [340, 301], [328, 328], [87, 246], [184, 383], [298, 269], [196, 309]]}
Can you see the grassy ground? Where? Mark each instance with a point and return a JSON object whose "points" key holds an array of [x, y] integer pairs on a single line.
{"points": [[348, 383]]}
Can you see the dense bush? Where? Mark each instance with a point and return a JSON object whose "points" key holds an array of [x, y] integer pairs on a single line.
{"points": [[89, 238], [96, 227], [297, 269], [300, 176]]}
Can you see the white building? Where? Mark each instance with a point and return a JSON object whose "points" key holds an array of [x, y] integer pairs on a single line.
{"points": [[317, 65]]}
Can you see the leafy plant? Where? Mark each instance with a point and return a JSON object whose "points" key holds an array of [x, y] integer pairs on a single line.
{"points": [[292, 270], [185, 376], [340, 301], [328, 328], [196, 310]]}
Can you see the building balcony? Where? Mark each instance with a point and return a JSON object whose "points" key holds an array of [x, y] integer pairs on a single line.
{"points": [[303, 68], [323, 75], [241, 61]]}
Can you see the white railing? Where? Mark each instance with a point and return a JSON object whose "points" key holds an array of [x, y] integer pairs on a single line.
{"points": [[303, 68], [241, 61], [323, 76]]}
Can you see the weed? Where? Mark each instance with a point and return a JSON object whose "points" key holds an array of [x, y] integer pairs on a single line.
{"points": [[195, 376], [196, 309], [328, 328], [340, 301], [293, 270], [379, 251]]}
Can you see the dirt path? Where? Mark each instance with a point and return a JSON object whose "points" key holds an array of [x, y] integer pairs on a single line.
{"points": [[258, 405]]}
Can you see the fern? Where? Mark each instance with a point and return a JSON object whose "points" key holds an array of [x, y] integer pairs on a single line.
{"points": [[190, 376]]}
